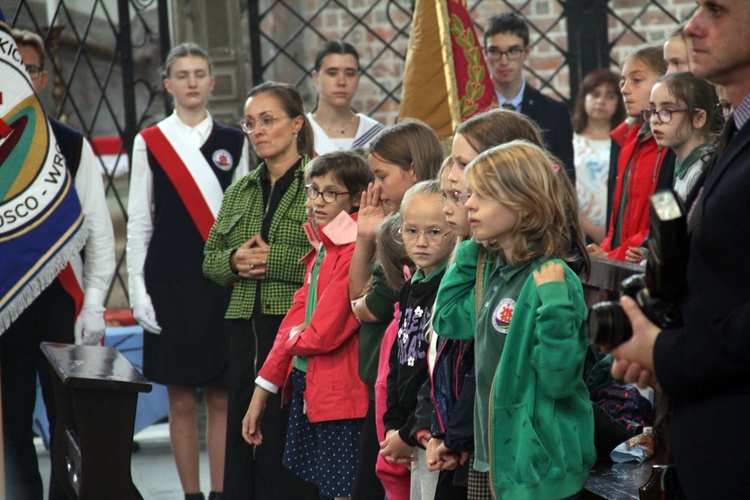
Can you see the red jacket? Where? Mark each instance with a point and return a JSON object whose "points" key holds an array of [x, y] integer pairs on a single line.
{"points": [[645, 158], [334, 389]]}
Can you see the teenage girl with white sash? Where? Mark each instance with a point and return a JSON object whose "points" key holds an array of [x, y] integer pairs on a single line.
{"points": [[181, 168]]}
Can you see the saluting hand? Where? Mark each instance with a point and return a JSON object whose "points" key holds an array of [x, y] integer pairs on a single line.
{"points": [[371, 212]]}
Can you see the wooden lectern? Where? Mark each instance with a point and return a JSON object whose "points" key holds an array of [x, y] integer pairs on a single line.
{"points": [[96, 391]]}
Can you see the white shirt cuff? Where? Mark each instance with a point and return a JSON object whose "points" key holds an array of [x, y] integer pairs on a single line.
{"points": [[265, 384]]}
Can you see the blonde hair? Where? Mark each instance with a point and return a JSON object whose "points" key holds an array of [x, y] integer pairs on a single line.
{"points": [[30, 39], [431, 187], [184, 50], [445, 168], [652, 56], [522, 177]]}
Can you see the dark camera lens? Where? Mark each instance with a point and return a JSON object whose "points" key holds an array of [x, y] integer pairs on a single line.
{"points": [[609, 326], [633, 285]]}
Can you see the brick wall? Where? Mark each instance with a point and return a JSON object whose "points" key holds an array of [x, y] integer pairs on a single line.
{"points": [[649, 26], [382, 36]]}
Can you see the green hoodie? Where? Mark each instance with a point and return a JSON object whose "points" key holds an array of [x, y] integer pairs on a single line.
{"points": [[541, 435]]}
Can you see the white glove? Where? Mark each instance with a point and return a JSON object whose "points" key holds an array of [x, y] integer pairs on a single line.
{"points": [[145, 315], [89, 328]]}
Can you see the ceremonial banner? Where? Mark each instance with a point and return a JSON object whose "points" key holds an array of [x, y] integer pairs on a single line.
{"points": [[445, 78], [41, 223]]}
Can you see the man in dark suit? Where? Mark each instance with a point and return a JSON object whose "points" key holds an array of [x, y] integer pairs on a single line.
{"points": [[506, 47], [704, 365]]}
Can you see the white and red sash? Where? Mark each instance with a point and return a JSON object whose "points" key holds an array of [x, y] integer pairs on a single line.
{"points": [[190, 174]]}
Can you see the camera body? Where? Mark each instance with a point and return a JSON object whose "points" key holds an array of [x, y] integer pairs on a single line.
{"points": [[658, 291]]}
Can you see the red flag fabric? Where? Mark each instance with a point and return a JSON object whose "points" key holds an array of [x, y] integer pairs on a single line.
{"points": [[446, 80]]}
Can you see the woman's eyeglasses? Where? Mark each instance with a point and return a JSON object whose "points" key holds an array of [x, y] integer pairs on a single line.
{"points": [[266, 123]]}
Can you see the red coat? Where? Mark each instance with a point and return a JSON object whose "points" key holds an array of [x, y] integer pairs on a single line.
{"points": [[334, 389], [647, 158]]}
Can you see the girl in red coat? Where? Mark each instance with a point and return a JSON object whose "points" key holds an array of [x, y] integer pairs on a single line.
{"points": [[318, 339], [640, 160]]}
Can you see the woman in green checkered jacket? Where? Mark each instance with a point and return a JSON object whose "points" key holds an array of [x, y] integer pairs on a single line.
{"points": [[255, 246]]}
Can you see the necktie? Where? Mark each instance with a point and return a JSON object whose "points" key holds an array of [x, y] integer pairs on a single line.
{"points": [[507, 105]]}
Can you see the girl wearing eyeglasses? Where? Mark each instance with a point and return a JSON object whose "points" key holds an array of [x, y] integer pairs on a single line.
{"points": [[318, 339], [683, 117], [642, 165], [336, 78], [181, 168], [429, 242], [255, 247]]}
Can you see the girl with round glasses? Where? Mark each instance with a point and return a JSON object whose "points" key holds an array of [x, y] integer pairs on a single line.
{"points": [[255, 248], [336, 78], [429, 243], [181, 168], [319, 337], [683, 117]]}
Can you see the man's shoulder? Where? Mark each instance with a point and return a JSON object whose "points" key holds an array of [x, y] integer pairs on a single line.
{"points": [[533, 97], [70, 143], [63, 129]]}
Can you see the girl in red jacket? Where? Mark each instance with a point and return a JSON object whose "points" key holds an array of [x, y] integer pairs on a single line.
{"points": [[640, 160], [318, 339]]}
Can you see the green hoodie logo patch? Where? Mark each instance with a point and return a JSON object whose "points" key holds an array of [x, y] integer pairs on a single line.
{"points": [[503, 314]]}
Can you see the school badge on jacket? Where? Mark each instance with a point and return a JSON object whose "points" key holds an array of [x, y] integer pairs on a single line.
{"points": [[222, 159], [503, 314], [40, 215]]}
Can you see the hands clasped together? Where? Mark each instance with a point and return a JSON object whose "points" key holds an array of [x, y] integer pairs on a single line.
{"points": [[249, 260]]}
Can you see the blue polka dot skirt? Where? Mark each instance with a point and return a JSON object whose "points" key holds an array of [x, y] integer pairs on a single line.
{"points": [[323, 453]]}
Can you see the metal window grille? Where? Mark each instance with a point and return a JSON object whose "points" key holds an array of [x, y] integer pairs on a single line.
{"points": [[101, 61]]}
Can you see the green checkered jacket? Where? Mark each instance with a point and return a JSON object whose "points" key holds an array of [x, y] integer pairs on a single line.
{"points": [[240, 218]]}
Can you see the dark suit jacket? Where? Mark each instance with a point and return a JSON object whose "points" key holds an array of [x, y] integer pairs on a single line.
{"points": [[705, 364], [553, 118]]}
